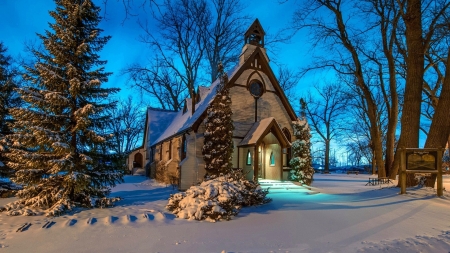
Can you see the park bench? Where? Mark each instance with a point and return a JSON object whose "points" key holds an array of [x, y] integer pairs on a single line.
{"points": [[352, 172], [384, 180], [376, 180]]}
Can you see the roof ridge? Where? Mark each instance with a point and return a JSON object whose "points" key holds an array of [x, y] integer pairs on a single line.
{"points": [[159, 109]]}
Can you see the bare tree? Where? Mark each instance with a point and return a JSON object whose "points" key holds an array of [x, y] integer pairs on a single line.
{"points": [[192, 34], [160, 83], [221, 33], [422, 20], [405, 30], [126, 127], [330, 29], [288, 80], [325, 111], [178, 45]]}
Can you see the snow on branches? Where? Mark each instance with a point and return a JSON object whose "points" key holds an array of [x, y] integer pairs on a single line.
{"points": [[218, 142], [59, 151], [218, 198], [301, 163]]}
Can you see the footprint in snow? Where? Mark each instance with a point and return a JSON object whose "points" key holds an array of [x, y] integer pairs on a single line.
{"points": [[149, 216], [71, 222], [91, 221], [130, 218], [111, 219]]}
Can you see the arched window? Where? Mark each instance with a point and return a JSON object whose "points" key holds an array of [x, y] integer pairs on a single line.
{"points": [[137, 160], [272, 159], [170, 149], [249, 157], [152, 154], [183, 147]]}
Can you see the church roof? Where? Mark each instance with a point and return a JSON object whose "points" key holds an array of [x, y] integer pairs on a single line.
{"points": [[261, 129], [178, 122], [159, 120]]}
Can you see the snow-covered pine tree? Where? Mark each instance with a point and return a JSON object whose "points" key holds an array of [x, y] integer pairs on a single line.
{"points": [[218, 143], [301, 163], [57, 152], [8, 99]]}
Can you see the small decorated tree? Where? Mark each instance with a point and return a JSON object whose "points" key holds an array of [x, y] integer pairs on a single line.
{"points": [[301, 163], [218, 143]]}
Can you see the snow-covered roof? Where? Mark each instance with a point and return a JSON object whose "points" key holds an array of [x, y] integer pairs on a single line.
{"points": [[159, 120], [260, 129], [180, 121]]}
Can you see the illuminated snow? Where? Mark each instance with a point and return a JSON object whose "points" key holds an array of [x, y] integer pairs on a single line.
{"points": [[338, 213]]}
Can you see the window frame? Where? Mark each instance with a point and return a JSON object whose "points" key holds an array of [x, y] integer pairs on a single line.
{"points": [[249, 158], [272, 159]]}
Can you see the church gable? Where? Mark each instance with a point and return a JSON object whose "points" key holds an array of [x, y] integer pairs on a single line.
{"points": [[261, 70]]}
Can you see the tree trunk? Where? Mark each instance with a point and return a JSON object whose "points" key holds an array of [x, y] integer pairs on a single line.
{"points": [[392, 116], [410, 120], [440, 125], [327, 157]]}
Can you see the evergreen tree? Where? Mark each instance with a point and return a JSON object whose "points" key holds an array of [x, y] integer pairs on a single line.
{"points": [[301, 163], [218, 143], [8, 99], [58, 151]]}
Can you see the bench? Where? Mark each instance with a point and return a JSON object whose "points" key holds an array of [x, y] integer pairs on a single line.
{"points": [[352, 172], [377, 181], [372, 181], [384, 180]]}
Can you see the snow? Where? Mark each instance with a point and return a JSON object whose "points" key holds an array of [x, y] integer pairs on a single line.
{"points": [[258, 130], [338, 213]]}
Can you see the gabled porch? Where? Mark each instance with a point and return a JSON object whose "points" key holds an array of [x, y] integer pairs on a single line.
{"points": [[262, 150]]}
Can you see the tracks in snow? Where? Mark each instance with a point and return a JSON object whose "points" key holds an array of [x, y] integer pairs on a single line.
{"points": [[147, 216]]}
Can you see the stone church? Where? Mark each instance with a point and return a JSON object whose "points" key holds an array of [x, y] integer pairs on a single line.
{"points": [[262, 117]]}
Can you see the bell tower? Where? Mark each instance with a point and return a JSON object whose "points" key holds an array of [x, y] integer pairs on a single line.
{"points": [[255, 34], [254, 38]]}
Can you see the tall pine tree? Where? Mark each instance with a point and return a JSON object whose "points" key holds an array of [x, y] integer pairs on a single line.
{"points": [[301, 163], [8, 99], [218, 143], [57, 151]]}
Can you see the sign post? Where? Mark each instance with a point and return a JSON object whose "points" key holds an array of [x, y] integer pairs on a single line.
{"points": [[421, 160]]}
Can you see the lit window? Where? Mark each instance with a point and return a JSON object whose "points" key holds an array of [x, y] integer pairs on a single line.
{"points": [[272, 159], [249, 158]]}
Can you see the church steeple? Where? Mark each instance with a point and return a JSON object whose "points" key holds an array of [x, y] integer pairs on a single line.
{"points": [[255, 34], [254, 39]]}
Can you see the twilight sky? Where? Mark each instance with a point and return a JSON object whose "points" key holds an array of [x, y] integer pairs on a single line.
{"points": [[24, 18]]}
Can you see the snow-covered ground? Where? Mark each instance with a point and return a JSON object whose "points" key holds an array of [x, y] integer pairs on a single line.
{"points": [[337, 214]]}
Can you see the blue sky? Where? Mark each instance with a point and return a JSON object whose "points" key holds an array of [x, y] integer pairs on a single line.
{"points": [[24, 18]]}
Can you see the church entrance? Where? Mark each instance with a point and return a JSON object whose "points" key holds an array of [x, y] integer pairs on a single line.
{"points": [[263, 144], [270, 158]]}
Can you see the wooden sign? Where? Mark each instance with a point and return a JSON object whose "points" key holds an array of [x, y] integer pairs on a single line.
{"points": [[423, 161]]}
